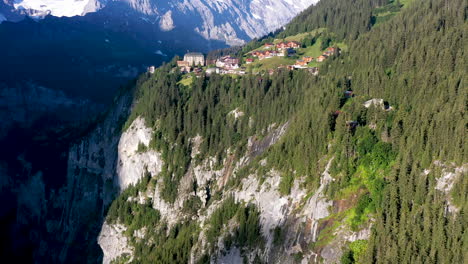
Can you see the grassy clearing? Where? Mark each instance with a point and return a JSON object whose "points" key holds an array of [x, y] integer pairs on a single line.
{"points": [[272, 63], [388, 11], [300, 37], [311, 51], [186, 81], [406, 3]]}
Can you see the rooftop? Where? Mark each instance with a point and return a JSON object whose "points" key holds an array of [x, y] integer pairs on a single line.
{"points": [[194, 54]]}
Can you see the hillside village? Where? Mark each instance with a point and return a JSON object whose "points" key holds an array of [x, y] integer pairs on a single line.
{"points": [[301, 52]]}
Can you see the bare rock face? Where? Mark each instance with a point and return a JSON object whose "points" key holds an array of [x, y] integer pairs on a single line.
{"points": [[446, 182], [132, 163], [113, 242]]}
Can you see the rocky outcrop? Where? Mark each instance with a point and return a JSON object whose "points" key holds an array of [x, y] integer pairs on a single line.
{"points": [[445, 183], [113, 242], [378, 103], [317, 206], [133, 162]]}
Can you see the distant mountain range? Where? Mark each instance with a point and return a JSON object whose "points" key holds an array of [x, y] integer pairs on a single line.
{"points": [[232, 21]]}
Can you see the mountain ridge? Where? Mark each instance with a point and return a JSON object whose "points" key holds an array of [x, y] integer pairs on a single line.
{"points": [[233, 22]]}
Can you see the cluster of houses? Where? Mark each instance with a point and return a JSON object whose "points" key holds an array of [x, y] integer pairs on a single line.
{"points": [[307, 59], [194, 61], [304, 61], [282, 45], [226, 65], [271, 50]]}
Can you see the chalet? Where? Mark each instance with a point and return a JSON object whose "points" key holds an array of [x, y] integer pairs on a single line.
{"points": [[272, 53], [307, 59], [249, 60], [294, 44], [288, 44], [227, 62], [183, 64], [321, 58], [269, 46], [332, 50], [301, 63], [282, 46]]}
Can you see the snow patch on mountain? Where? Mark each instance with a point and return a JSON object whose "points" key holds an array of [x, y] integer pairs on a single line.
{"points": [[58, 8], [166, 23], [159, 52]]}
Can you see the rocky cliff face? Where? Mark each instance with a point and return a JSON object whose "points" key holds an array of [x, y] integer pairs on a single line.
{"points": [[63, 216], [299, 215], [91, 183]]}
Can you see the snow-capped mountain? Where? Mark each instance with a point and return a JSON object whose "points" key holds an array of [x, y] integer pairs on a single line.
{"points": [[59, 8], [229, 21]]}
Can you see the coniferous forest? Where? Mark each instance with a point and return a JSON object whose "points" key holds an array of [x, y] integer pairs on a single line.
{"points": [[410, 54]]}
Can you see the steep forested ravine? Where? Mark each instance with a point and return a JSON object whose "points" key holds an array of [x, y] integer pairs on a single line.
{"points": [[375, 177]]}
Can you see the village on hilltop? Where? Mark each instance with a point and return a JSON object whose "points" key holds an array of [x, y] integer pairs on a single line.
{"points": [[256, 61]]}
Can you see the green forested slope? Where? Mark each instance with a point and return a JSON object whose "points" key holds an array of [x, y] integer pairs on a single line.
{"points": [[415, 61]]}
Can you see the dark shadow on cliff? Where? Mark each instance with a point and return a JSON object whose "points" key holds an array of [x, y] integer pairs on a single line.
{"points": [[54, 204]]}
